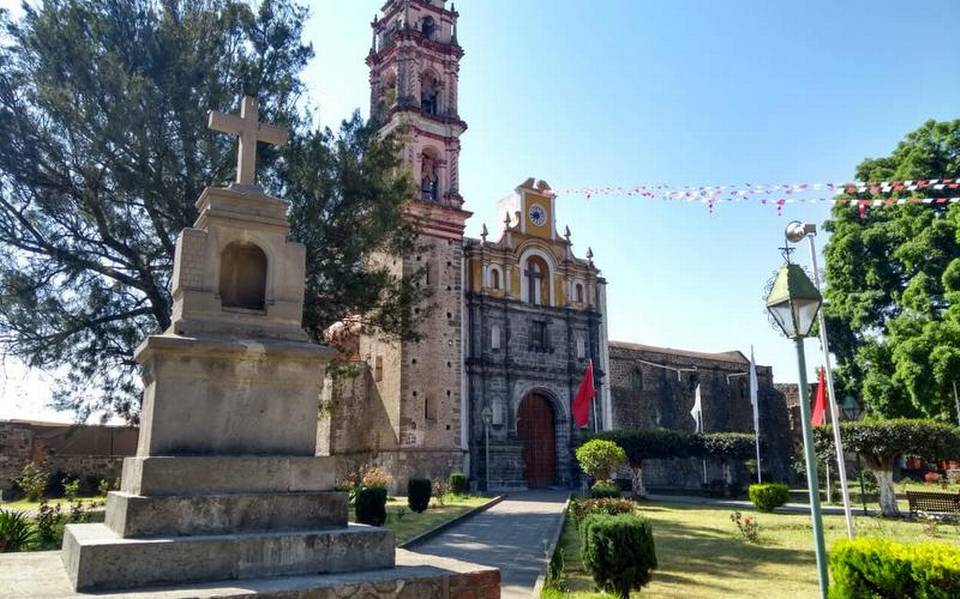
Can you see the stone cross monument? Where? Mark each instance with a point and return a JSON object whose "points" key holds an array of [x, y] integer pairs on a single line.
{"points": [[225, 484]]}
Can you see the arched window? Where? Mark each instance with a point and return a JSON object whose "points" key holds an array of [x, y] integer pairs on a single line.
{"points": [[494, 278], [429, 27], [243, 276], [430, 175], [537, 276], [579, 293], [429, 93], [388, 90]]}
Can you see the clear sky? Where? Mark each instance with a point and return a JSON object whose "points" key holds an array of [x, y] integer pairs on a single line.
{"points": [[680, 92]]}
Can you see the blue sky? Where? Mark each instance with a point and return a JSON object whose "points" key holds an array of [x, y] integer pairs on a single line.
{"points": [[681, 92]]}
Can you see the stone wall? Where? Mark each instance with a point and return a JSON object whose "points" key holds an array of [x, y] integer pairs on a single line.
{"points": [[655, 387], [16, 443]]}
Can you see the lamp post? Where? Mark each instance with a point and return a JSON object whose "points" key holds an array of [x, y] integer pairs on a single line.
{"points": [[796, 232], [793, 303], [486, 414], [853, 412]]}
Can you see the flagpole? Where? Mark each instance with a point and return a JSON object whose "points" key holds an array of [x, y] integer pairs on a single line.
{"points": [[832, 399], [755, 400]]}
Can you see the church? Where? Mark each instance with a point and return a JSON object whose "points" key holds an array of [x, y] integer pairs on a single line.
{"points": [[516, 317]]}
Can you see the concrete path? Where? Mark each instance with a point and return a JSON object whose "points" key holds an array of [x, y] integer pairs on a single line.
{"points": [[833, 510], [511, 536]]}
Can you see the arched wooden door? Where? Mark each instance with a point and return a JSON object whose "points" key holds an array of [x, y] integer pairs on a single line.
{"points": [[535, 428]]}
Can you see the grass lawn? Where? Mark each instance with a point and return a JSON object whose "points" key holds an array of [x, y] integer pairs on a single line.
{"points": [[701, 554], [24, 505], [407, 524]]}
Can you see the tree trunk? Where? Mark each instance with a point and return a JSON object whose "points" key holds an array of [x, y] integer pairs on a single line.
{"points": [[888, 493], [636, 480]]}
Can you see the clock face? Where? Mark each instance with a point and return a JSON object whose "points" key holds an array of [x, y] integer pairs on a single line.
{"points": [[538, 216]]}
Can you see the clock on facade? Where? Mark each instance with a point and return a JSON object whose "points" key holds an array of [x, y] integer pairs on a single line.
{"points": [[538, 216]]}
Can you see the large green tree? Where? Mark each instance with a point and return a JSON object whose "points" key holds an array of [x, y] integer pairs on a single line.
{"points": [[104, 150], [893, 283]]}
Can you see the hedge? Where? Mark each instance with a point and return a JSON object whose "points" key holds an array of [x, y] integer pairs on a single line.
{"points": [[875, 567], [419, 491], [458, 483], [768, 496], [371, 505], [618, 551], [605, 490]]}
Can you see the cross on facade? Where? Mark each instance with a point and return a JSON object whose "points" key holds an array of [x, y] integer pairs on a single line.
{"points": [[249, 129]]}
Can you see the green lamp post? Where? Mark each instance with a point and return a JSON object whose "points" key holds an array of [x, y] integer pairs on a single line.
{"points": [[793, 303]]}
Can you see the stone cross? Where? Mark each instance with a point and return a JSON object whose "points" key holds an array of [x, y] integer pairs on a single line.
{"points": [[249, 129]]}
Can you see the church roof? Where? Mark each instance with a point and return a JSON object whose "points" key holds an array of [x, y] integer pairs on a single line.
{"points": [[729, 356]]}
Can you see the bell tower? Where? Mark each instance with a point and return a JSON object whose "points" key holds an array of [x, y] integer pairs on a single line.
{"points": [[414, 75]]}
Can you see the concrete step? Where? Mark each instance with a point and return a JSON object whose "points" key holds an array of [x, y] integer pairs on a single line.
{"points": [[96, 558], [136, 516]]}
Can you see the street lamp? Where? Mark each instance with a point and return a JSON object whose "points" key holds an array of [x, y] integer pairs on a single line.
{"points": [[793, 303], [797, 232], [486, 414]]}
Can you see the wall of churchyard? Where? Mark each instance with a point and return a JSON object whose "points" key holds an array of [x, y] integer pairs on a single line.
{"points": [[654, 387]]}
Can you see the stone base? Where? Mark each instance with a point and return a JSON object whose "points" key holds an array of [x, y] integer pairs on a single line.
{"points": [[96, 558], [40, 575]]}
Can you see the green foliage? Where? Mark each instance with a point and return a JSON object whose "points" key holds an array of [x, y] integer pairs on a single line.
{"points": [[768, 496], [419, 491], [875, 567], [71, 488], [727, 446], [104, 487], [619, 551], [371, 505], [49, 523], [33, 481], [581, 508], [599, 458], [881, 442], [16, 532], [459, 485], [605, 489], [651, 444], [893, 285], [747, 527], [103, 113]]}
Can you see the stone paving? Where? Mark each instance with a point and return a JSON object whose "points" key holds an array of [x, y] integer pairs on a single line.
{"points": [[511, 536]]}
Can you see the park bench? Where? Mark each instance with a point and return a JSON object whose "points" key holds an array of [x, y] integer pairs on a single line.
{"points": [[931, 501]]}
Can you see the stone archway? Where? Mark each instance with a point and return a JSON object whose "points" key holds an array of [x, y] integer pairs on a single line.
{"points": [[536, 430]]}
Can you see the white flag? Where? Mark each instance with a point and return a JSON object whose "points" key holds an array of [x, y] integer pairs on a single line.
{"points": [[756, 409], [697, 411]]}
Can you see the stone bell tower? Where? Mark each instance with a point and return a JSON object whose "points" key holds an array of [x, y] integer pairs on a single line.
{"points": [[414, 74]]}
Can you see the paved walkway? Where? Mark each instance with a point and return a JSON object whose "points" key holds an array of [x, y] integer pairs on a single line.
{"points": [[833, 510], [511, 536]]}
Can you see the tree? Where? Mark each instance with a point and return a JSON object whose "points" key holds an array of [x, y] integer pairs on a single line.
{"points": [[652, 444], [893, 284], [881, 443], [600, 458], [104, 150]]}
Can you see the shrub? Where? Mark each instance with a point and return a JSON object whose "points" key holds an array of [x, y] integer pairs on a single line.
{"points": [[33, 481], [599, 458], [49, 523], [419, 491], [71, 488], [581, 508], [748, 527], [619, 551], [104, 487], [374, 477], [604, 489], [16, 532], [371, 505], [932, 478], [875, 567], [458, 483], [769, 496], [440, 491]]}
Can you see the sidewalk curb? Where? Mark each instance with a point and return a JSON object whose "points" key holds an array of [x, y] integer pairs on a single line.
{"points": [[426, 536], [542, 579]]}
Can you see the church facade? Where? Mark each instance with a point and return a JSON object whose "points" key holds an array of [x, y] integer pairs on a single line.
{"points": [[516, 316]]}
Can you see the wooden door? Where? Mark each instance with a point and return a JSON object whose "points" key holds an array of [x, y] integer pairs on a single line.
{"points": [[536, 432]]}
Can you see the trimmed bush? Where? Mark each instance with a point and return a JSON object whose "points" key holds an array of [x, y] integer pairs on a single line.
{"points": [[875, 567], [371, 505], [618, 551], [599, 458], [458, 483], [769, 496], [581, 508], [419, 491], [605, 489]]}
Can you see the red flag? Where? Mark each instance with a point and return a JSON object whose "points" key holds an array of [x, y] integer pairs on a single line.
{"points": [[581, 405], [819, 417]]}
